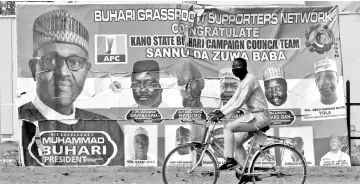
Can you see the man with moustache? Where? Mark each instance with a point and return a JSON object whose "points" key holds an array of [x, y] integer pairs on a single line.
{"points": [[183, 135], [275, 86], [326, 80], [147, 91], [59, 67], [335, 154]]}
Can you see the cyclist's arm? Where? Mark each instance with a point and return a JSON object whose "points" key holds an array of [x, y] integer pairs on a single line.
{"points": [[242, 93]]}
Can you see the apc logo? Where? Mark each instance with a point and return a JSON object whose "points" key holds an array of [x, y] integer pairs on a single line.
{"points": [[111, 49]]}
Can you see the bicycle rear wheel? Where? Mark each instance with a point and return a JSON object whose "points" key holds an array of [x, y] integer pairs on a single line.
{"points": [[279, 163], [177, 166]]}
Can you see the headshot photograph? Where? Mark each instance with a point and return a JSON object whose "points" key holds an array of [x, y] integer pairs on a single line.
{"points": [[147, 91], [326, 79], [59, 66], [141, 143], [297, 142], [302, 140], [275, 86], [335, 157], [177, 135], [228, 84]]}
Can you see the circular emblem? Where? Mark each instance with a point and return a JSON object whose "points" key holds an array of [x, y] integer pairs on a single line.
{"points": [[116, 87], [319, 38]]}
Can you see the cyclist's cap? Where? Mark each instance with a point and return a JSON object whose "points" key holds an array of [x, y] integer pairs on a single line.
{"points": [[183, 132], [226, 73], [150, 67], [59, 26], [141, 131], [273, 73], [325, 64]]}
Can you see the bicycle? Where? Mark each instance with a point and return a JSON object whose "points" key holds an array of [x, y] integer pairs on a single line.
{"points": [[266, 160]]}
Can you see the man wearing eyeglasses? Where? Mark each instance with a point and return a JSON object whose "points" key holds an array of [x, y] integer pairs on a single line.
{"points": [[59, 67], [147, 91]]}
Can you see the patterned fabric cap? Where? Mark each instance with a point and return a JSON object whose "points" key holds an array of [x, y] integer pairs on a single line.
{"points": [[140, 131], [183, 132], [273, 73], [325, 64], [59, 26], [226, 73]]}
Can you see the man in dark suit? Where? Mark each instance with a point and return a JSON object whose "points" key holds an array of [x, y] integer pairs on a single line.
{"points": [[59, 67]]}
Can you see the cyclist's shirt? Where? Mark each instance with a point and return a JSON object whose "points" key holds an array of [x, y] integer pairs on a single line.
{"points": [[249, 94]]}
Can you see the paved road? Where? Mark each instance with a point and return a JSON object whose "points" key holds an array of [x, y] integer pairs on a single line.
{"points": [[21, 175]]}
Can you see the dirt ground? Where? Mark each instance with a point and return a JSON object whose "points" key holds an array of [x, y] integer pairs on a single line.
{"points": [[104, 175], [12, 174]]}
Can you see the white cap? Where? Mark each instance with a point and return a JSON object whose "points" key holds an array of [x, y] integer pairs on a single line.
{"points": [[226, 73], [141, 130], [325, 64], [273, 73]]}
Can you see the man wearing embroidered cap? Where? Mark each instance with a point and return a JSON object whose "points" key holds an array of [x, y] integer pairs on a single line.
{"points": [[147, 91], [275, 86], [229, 84], [326, 80], [183, 135], [59, 67], [141, 144]]}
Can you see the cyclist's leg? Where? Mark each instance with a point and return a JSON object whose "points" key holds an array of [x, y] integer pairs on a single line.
{"points": [[240, 151]]}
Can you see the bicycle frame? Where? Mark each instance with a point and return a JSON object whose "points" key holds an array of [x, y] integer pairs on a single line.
{"points": [[206, 142]]}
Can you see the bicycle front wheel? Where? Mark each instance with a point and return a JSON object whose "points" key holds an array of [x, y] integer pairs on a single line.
{"points": [[278, 163], [177, 167]]}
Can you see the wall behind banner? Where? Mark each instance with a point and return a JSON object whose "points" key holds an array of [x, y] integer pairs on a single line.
{"points": [[344, 61]]}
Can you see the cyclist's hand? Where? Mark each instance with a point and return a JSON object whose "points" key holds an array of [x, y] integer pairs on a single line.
{"points": [[216, 117]]}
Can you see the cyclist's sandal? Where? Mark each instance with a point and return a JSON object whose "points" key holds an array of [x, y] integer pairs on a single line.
{"points": [[228, 165]]}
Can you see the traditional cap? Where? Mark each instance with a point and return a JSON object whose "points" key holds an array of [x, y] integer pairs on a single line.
{"points": [[59, 26], [150, 66], [325, 64], [183, 132], [273, 73], [226, 73], [217, 133], [140, 131]]}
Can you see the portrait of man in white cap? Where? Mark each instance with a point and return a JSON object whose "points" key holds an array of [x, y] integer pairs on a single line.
{"points": [[141, 144], [275, 86], [183, 135], [189, 78], [326, 80], [228, 84], [147, 91], [335, 154], [59, 67]]}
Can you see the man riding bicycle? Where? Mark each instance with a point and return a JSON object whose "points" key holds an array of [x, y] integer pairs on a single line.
{"points": [[250, 94]]}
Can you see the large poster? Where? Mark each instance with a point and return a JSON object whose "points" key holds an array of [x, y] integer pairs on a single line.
{"points": [[119, 84]]}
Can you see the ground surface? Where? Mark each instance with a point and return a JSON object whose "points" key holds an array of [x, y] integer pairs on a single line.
{"points": [[10, 173], [104, 175]]}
